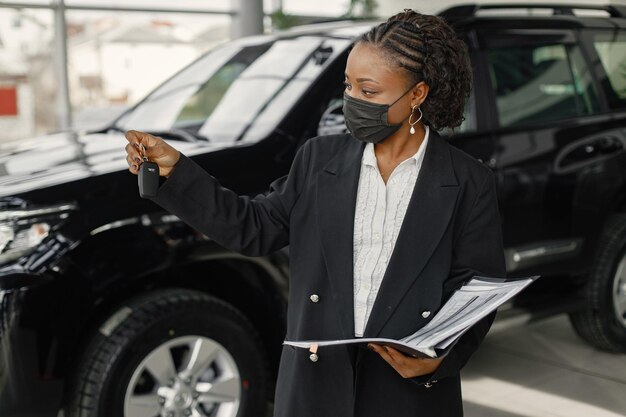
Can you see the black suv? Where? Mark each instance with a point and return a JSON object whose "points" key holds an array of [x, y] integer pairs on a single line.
{"points": [[105, 298]]}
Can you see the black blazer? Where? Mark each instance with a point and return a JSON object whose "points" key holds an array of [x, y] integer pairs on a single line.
{"points": [[450, 232]]}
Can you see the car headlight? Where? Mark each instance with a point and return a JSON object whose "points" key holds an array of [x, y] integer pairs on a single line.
{"points": [[23, 229]]}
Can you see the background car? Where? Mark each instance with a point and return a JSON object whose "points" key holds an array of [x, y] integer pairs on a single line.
{"points": [[111, 306]]}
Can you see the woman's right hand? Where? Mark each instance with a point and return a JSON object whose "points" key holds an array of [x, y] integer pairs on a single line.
{"points": [[154, 148]]}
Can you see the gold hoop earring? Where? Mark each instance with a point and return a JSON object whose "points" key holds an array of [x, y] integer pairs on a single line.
{"points": [[412, 130]]}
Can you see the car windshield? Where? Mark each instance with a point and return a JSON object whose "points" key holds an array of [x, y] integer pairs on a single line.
{"points": [[240, 90]]}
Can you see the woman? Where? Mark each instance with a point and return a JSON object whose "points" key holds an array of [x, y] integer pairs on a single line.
{"points": [[382, 224]]}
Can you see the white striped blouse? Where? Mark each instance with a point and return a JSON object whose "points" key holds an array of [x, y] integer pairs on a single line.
{"points": [[380, 210]]}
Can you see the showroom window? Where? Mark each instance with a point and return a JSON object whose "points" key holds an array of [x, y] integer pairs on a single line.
{"points": [[540, 83]]}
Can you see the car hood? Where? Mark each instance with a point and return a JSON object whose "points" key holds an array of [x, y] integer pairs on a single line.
{"points": [[44, 161]]}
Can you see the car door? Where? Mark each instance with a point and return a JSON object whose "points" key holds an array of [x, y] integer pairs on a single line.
{"points": [[553, 135]]}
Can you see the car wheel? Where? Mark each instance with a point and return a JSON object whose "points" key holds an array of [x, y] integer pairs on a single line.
{"points": [[172, 353], [602, 322]]}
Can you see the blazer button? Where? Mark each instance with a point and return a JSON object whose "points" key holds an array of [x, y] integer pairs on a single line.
{"points": [[315, 298], [313, 357], [425, 314]]}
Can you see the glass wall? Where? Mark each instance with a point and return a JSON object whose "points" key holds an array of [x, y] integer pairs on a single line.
{"points": [[28, 87], [197, 5], [315, 8], [116, 59], [117, 52]]}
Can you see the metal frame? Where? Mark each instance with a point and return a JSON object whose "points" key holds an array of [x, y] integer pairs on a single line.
{"points": [[60, 3], [58, 7], [470, 10]]}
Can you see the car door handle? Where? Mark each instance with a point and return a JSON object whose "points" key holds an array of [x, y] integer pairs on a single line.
{"points": [[600, 146], [609, 145], [581, 153]]}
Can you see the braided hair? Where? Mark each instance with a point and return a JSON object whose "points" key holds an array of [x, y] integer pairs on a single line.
{"points": [[428, 50]]}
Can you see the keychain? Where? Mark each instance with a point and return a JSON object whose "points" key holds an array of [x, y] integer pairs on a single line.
{"points": [[148, 177]]}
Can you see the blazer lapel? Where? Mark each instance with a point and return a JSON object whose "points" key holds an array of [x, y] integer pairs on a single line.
{"points": [[335, 206], [428, 213]]}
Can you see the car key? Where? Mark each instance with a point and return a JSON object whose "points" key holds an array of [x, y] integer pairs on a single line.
{"points": [[148, 178]]}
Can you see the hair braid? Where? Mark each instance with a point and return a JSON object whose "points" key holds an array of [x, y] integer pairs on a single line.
{"points": [[429, 50]]}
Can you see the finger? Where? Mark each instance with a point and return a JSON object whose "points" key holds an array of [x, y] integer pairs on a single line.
{"points": [[151, 147], [388, 359], [145, 143], [138, 137], [133, 136], [397, 356], [133, 153], [133, 160], [132, 165], [381, 351]]}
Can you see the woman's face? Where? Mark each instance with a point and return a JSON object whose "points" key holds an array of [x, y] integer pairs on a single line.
{"points": [[370, 77]]}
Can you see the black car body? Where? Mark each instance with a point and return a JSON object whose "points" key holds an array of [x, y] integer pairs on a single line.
{"points": [[547, 114]]}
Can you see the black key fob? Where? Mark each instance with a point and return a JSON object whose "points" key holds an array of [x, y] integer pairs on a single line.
{"points": [[148, 178]]}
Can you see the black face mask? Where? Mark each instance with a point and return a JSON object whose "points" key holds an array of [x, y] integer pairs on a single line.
{"points": [[368, 121]]}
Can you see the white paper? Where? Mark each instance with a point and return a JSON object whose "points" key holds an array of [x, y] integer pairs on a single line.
{"points": [[466, 306]]}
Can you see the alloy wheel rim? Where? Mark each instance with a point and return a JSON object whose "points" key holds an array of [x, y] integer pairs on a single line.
{"points": [[189, 376], [619, 292]]}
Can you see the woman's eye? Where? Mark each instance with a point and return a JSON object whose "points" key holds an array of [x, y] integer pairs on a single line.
{"points": [[346, 85], [368, 93]]}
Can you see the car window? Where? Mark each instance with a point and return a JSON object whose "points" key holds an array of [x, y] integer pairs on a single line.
{"points": [[611, 49], [332, 121], [201, 105], [540, 83], [179, 102], [296, 84], [238, 90]]}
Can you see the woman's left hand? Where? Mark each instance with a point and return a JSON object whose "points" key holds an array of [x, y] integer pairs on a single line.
{"points": [[407, 366]]}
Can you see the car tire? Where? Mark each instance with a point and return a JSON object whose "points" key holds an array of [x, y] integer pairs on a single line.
{"points": [[172, 352], [602, 322]]}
